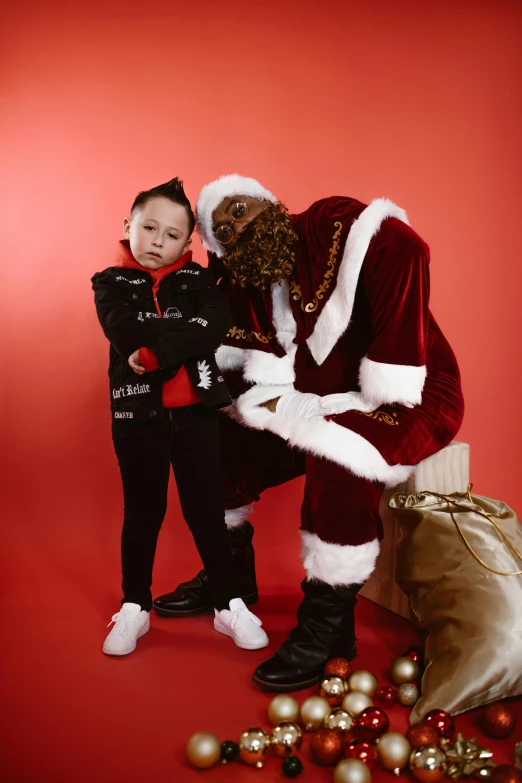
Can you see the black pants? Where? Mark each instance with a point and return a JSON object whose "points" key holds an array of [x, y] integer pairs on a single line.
{"points": [[188, 438]]}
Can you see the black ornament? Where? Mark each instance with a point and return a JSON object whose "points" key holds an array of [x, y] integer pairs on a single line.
{"points": [[292, 767], [229, 750]]}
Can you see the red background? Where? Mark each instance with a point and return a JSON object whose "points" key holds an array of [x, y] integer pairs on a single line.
{"points": [[419, 102]]}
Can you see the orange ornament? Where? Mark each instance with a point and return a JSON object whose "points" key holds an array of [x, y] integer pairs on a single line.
{"points": [[422, 734], [498, 721], [326, 747], [338, 666]]}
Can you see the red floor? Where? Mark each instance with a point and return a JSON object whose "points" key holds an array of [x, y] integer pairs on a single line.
{"points": [[72, 715]]}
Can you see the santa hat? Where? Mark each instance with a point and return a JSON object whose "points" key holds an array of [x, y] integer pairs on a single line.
{"points": [[213, 194]]}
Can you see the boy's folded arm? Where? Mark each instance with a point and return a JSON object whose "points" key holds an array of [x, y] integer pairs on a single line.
{"points": [[203, 333], [119, 319]]}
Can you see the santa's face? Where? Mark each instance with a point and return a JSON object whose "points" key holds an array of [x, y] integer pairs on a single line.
{"points": [[232, 216]]}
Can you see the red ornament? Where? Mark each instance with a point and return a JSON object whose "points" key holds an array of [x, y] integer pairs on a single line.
{"points": [[338, 666], [416, 654], [442, 722], [498, 721], [326, 747], [506, 773], [371, 724], [422, 734], [387, 695], [359, 749]]}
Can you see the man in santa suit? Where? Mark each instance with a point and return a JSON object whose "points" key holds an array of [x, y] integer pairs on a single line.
{"points": [[339, 373]]}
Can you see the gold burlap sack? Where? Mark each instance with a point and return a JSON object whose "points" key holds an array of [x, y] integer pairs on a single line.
{"points": [[459, 560]]}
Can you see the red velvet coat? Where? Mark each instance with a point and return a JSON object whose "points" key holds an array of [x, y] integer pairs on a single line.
{"points": [[354, 317]]}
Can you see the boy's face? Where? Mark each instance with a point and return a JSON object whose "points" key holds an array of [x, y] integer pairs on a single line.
{"points": [[158, 233]]}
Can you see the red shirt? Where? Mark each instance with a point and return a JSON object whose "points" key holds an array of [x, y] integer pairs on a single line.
{"points": [[180, 390]]}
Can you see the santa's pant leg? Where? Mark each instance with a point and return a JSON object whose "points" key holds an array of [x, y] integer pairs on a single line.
{"points": [[340, 529], [251, 461]]}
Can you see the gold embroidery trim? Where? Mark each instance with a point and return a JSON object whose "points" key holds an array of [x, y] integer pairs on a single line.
{"points": [[383, 416], [240, 334], [295, 288]]}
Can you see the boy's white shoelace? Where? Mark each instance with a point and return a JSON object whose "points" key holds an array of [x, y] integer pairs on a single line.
{"points": [[122, 625]]}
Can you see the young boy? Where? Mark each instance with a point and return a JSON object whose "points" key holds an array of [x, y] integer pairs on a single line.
{"points": [[164, 317]]}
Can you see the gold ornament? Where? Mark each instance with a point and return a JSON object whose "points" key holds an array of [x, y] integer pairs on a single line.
{"points": [[253, 745], [364, 682], [466, 757], [407, 694], [333, 689], [352, 771], [355, 702], [339, 719], [286, 739], [203, 750], [283, 708], [404, 670], [394, 751], [313, 712], [428, 763]]}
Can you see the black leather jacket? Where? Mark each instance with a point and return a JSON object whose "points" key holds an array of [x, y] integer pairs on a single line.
{"points": [[194, 322]]}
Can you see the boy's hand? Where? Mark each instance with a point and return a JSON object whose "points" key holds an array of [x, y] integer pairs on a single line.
{"points": [[134, 363]]}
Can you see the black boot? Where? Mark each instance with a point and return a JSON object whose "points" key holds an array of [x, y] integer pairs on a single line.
{"points": [[325, 629], [195, 597]]}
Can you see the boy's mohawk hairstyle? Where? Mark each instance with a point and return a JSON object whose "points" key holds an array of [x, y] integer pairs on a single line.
{"points": [[174, 191]]}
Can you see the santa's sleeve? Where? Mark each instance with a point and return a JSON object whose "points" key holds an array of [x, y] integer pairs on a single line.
{"points": [[395, 276]]}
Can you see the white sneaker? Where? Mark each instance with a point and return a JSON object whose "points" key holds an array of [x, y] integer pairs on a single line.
{"points": [[130, 623], [241, 625]]}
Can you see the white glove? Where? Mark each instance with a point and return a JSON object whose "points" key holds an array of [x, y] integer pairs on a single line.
{"points": [[299, 405], [306, 406], [331, 404]]}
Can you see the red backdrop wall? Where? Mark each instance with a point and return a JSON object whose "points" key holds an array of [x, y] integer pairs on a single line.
{"points": [[419, 102]]}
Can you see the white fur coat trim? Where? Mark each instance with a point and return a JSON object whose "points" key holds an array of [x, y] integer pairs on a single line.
{"points": [[385, 384], [259, 366], [336, 315], [336, 564], [234, 517], [211, 197], [319, 437]]}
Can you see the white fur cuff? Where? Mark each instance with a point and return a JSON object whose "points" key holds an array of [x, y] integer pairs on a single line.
{"points": [[385, 384], [234, 517], [336, 564]]}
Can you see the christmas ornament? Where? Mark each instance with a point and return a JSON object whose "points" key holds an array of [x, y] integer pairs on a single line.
{"points": [[404, 670], [253, 745], [407, 694], [313, 712], [286, 739], [359, 749], [292, 767], [229, 751], [364, 682], [428, 763], [351, 771], [386, 695], [203, 750], [339, 719], [416, 654], [338, 666], [394, 751], [466, 758], [283, 707], [326, 747], [518, 755], [506, 773], [442, 722], [422, 734], [371, 724], [333, 689], [498, 720], [355, 702]]}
